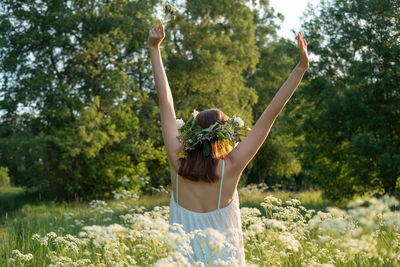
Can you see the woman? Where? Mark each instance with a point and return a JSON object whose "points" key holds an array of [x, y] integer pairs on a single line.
{"points": [[201, 199]]}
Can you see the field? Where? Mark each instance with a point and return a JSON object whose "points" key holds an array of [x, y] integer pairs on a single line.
{"points": [[280, 229]]}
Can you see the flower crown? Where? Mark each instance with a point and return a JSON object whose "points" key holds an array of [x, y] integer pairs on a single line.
{"points": [[192, 135]]}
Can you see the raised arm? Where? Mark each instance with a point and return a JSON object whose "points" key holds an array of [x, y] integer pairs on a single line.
{"points": [[241, 155], [167, 111]]}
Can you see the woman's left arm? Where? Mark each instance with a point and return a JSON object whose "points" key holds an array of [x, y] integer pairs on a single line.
{"points": [[167, 111]]}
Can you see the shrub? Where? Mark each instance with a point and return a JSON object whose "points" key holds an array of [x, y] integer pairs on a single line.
{"points": [[4, 178]]}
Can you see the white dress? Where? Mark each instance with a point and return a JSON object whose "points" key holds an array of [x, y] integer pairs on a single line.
{"points": [[225, 220]]}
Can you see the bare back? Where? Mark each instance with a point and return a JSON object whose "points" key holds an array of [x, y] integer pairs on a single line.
{"points": [[203, 197]]}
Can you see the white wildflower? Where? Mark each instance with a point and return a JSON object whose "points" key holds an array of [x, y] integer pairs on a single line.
{"points": [[239, 121], [22, 257], [256, 228], [289, 241], [390, 201], [195, 113], [323, 239], [43, 241], [82, 262], [68, 215], [249, 212], [51, 235], [273, 223], [36, 237], [87, 253], [180, 123], [214, 235], [271, 200], [97, 204], [355, 203], [123, 180]]}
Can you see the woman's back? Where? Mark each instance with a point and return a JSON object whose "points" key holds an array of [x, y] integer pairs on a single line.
{"points": [[202, 196], [207, 206]]}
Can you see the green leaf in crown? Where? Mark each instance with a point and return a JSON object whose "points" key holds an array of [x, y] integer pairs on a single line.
{"points": [[192, 135]]}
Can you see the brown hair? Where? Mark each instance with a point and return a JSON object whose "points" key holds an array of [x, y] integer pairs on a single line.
{"points": [[197, 167]]}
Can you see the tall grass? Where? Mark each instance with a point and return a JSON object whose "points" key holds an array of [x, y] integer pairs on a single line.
{"points": [[277, 230]]}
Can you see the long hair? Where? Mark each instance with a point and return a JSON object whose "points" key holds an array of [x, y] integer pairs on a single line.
{"points": [[197, 167]]}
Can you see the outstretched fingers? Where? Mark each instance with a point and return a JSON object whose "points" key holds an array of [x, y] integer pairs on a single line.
{"points": [[160, 26], [298, 40], [302, 43]]}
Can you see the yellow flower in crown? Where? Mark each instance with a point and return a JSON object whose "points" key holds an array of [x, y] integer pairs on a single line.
{"points": [[192, 135], [243, 133]]}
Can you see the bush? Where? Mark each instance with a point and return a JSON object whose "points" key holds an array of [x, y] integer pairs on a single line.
{"points": [[4, 178], [397, 188]]}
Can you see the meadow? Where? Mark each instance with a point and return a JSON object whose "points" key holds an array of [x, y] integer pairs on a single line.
{"points": [[280, 228]]}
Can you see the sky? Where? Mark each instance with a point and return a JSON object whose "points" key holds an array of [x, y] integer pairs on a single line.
{"points": [[291, 10]]}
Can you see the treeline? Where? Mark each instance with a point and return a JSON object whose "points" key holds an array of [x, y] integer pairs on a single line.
{"points": [[79, 109]]}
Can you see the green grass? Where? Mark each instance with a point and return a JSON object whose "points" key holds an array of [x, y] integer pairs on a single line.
{"points": [[23, 214], [14, 198]]}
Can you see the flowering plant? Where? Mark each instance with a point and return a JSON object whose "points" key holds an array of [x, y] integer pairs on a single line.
{"points": [[192, 135]]}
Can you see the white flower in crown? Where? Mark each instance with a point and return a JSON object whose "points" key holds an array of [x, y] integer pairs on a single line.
{"points": [[180, 123], [239, 120], [194, 113]]}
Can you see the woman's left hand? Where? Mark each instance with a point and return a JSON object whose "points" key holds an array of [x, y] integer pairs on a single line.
{"points": [[156, 35], [302, 43]]}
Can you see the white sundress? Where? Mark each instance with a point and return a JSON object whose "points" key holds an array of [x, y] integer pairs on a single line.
{"points": [[225, 220]]}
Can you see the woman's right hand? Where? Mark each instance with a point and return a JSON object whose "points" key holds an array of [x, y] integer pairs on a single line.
{"points": [[156, 35], [302, 43]]}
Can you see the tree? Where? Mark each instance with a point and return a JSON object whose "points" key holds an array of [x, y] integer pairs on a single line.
{"points": [[77, 101], [208, 47], [352, 133], [4, 178], [70, 101]]}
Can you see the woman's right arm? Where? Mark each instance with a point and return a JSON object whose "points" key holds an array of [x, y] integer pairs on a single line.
{"points": [[242, 154]]}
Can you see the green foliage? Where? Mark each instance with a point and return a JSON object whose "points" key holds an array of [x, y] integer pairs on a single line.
{"points": [[192, 135], [79, 109], [73, 80], [208, 47], [397, 189], [4, 178], [170, 13], [352, 128]]}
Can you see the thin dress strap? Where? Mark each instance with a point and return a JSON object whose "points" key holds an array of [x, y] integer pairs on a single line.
{"points": [[176, 187], [222, 180]]}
